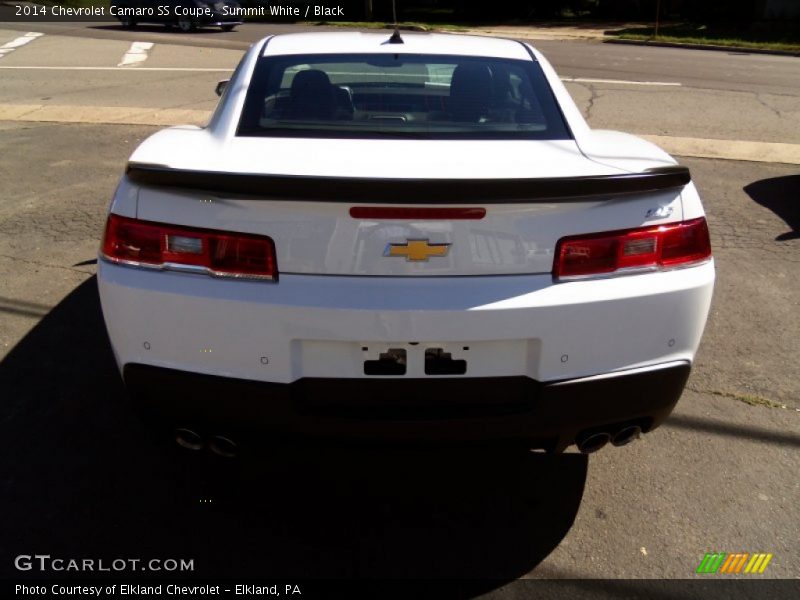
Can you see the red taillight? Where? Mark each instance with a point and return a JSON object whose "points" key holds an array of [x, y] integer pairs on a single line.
{"points": [[648, 248], [220, 253]]}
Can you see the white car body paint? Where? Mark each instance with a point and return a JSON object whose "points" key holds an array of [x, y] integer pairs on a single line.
{"points": [[338, 294], [312, 326], [321, 238]]}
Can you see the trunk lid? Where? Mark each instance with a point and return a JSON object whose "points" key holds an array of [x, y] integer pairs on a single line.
{"points": [[315, 231]]}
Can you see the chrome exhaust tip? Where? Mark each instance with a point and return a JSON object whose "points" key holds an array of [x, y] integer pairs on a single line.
{"points": [[593, 442], [626, 435], [223, 446], [189, 439]]}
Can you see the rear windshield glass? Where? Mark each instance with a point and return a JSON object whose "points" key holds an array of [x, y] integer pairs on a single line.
{"points": [[400, 95]]}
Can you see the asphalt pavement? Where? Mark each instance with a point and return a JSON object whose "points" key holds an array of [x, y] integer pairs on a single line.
{"points": [[727, 105], [85, 477]]}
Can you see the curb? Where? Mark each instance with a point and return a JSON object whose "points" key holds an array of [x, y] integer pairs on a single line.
{"points": [[701, 47]]}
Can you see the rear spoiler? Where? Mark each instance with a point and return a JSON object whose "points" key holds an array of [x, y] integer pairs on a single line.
{"points": [[410, 191]]}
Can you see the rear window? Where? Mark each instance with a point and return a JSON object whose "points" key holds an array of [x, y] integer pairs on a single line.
{"points": [[400, 95]]}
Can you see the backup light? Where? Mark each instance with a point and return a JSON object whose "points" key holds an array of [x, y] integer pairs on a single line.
{"points": [[633, 250], [161, 246], [183, 243]]}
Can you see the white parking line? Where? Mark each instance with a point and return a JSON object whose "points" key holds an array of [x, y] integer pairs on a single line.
{"points": [[619, 81], [136, 54], [20, 41]]}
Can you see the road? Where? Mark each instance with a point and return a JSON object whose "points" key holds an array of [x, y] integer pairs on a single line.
{"points": [[87, 479], [718, 70], [686, 105]]}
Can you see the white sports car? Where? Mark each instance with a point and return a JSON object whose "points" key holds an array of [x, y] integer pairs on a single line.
{"points": [[408, 237]]}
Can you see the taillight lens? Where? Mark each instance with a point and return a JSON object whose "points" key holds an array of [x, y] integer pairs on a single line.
{"points": [[647, 248], [219, 253]]}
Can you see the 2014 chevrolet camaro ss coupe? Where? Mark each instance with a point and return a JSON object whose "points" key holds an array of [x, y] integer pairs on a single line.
{"points": [[410, 238]]}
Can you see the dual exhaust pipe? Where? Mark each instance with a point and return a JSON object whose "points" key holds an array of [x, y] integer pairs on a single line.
{"points": [[225, 447], [588, 443], [217, 444]]}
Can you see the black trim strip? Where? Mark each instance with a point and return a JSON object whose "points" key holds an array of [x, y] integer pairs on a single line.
{"points": [[528, 50], [552, 92], [410, 191]]}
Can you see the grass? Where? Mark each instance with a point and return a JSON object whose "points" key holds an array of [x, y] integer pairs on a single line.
{"points": [[700, 34]]}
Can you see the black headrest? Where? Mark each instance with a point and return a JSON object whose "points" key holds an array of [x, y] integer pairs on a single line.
{"points": [[470, 91], [312, 95]]}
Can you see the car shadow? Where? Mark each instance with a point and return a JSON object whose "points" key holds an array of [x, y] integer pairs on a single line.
{"points": [[83, 477], [782, 196]]}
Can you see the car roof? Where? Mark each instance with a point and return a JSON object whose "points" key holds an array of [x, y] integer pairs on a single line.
{"points": [[355, 42]]}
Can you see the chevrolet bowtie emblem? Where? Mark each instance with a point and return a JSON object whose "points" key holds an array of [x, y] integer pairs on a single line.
{"points": [[416, 250]]}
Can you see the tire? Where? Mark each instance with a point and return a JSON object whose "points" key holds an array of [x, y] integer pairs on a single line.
{"points": [[127, 22], [186, 25], [227, 27]]}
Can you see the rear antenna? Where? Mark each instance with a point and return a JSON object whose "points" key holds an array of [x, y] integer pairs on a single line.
{"points": [[395, 39]]}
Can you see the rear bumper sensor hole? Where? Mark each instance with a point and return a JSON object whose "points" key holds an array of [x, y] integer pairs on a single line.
{"points": [[391, 362], [439, 362]]}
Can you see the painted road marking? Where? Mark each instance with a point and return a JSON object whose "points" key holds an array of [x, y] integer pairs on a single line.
{"points": [[770, 152], [9, 47], [136, 54], [40, 68]]}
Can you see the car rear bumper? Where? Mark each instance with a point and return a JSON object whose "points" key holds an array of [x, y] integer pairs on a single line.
{"points": [[511, 409], [544, 362], [317, 327]]}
